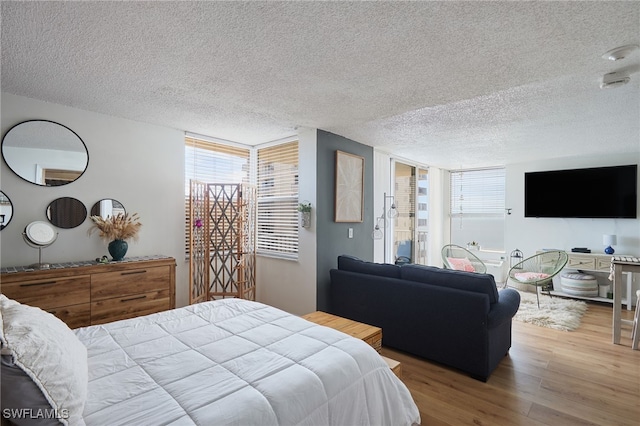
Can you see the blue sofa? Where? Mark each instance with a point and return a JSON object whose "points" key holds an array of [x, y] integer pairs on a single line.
{"points": [[456, 318]]}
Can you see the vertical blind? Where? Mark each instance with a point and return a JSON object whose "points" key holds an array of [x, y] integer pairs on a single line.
{"points": [[277, 197], [478, 192], [211, 162]]}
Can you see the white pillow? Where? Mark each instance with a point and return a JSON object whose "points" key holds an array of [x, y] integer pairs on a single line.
{"points": [[50, 354]]}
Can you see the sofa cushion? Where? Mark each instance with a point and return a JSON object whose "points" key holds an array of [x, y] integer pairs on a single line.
{"points": [[469, 281], [353, 264]]}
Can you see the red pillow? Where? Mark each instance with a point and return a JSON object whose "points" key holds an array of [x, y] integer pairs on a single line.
{"points": [[461, 264]]}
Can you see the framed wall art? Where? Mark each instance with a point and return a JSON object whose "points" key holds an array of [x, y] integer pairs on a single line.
{"points": [[349, 201]]}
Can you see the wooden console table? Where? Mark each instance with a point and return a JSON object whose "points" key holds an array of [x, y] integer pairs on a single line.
{"points": [[87, 293], [618, 268], [592, 262]]}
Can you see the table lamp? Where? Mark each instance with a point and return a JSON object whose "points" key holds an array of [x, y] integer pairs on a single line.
{"points": [[609, 240]]}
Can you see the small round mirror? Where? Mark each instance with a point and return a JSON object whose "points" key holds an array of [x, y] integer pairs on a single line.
{"points": [[107, 207], [66, 212], [40, 234], [45, 153], [6, 210]]}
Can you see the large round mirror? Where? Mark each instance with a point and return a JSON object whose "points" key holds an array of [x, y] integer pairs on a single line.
{"points": [[66, 212], [45, 153], [107, 207], [6, 210]]}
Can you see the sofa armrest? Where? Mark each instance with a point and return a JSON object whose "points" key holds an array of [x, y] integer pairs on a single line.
{"points": [[506, 307]]}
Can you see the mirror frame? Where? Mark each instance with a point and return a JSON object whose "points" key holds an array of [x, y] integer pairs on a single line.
{"points": [[86, 166], [73, 215], [4, 225], [96, 206]]}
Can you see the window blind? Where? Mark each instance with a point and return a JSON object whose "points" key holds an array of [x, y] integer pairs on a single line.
{"points": [[478, 192], [212, 162], [277, 198]]}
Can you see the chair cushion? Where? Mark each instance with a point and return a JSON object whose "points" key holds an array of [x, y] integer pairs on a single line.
{"points": [[353, 264], [527, 277], [461, 264]]}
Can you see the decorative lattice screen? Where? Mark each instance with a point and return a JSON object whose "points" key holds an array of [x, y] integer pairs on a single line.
{"points": [[223, 249]]}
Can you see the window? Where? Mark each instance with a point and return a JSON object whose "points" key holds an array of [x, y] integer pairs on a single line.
{"points": [[477, 207], [212, 162], [277, 197]]}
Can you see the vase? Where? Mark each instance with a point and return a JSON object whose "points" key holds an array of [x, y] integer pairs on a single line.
{"points": [[305, 219], [117, 249]]}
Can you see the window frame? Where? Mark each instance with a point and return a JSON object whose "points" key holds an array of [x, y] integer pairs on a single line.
{"points": [[276, 184]]}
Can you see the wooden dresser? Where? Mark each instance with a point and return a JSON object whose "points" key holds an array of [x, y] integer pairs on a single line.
{"points": [[89, 293]]}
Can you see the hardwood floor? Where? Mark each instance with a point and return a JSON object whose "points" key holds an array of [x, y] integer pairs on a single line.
{"points": [[550, 377]]}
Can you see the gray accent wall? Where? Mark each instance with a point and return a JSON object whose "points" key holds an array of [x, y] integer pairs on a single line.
{"points": [[333, 238]]}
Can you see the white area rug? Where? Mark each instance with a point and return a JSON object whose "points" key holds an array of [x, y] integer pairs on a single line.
{"points": [[554, 312]]}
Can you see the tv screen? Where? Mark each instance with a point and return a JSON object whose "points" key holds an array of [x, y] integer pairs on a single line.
{"points": [[599, 192]]}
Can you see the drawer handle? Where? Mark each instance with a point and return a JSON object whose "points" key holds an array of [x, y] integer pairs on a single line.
{"points": [[133, 298], [133, 272], [32, 284]]}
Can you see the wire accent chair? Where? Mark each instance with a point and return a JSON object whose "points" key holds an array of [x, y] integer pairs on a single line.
{"points": [[539, 270], [461, 259]]}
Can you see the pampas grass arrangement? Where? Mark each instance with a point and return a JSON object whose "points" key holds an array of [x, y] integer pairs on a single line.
{"points": [[119, 227]]}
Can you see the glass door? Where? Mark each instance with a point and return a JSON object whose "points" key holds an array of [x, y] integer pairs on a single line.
{"points": [[422, 217], [411, 198], [404, 224]]}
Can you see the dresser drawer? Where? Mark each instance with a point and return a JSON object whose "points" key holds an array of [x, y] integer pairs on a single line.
{"points": [[110, 285], [603, 265], [50, 293], [75, 315], [130, 306], [581, 262]]}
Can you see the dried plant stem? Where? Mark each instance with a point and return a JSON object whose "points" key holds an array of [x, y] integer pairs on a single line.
{"points": [[120, 227]]}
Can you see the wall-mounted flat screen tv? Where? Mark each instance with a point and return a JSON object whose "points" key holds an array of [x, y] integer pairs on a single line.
{"points": [[599, 192]]}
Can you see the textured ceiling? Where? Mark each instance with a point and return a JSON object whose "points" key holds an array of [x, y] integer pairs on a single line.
{"points": [[450, 84]]}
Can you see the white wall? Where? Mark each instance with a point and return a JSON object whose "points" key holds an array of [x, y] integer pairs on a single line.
{"points": [[140, 165], [438, 214], [381, 185], [290, 285], [531, 234]]}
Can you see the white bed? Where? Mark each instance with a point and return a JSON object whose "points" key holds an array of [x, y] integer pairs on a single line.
{"points": [[236, 362]]}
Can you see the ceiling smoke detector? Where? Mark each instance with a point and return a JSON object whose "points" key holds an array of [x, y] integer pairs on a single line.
{"points": [[614, 79], [620, 52]]}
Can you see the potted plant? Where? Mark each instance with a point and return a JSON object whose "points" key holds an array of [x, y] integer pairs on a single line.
{"points": [[473, 246], [117, 230], [305, 214]]}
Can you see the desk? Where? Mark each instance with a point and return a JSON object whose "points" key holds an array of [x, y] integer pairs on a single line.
{"points": [[618, 268]]}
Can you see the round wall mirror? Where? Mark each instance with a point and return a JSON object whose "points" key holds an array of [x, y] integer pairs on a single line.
{"points": [[45, 153], [107, 207], [66, 212], [6, 210]]}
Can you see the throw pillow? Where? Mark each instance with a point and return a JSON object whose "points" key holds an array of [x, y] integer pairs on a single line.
{"points": [[50, 355], [461, 264], [530, 276]]}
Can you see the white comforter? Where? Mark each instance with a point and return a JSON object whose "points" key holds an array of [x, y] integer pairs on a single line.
{"points": [[237, 362]]}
